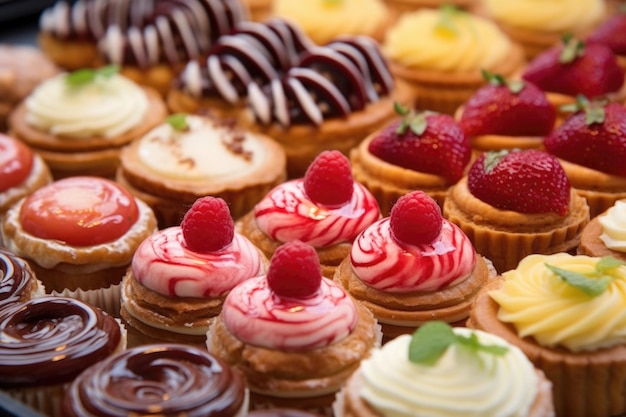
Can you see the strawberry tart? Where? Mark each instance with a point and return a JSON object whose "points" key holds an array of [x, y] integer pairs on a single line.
{"points": [[326, 208], [516, 202], [413, 267], [605, 235], [180, 276], [418, 151], [295, 335]]}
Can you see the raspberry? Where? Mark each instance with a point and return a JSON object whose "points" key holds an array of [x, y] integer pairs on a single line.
{"points": [[328, 180], [416, 219], [207, 225], [294, 270]]}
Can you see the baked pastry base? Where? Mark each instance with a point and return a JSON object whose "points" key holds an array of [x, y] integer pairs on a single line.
{"points": [[39, 176], [70, 54], [179, 101], [591, 245]]}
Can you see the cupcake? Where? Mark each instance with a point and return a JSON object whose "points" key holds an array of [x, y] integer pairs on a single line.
{"points": [[163, 379], [78, 122], [180, 276], [605, 234], [294, 334], [18, 282], [418, 151], [79, 234], [326, 209], [540, 27], [45, 343], [415, 375], [566, 314], [443, 69], [188, 157], [514, 203], [591, 146], [413, 267]]}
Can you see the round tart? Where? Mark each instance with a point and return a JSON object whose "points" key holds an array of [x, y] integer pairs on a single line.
{"points": [[18, 282], [605, 234]]}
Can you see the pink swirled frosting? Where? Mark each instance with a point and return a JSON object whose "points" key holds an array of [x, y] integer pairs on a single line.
{"points": [[381, 262], [286, 214], [164, 264], [257, 316]]}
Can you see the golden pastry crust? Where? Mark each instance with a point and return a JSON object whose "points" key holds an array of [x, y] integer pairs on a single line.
{"points": [[580, 381], [591, 245], [71, 55], [505, 236]]}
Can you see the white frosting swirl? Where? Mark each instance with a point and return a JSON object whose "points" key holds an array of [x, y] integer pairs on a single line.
{"points": [[614, 227], [460, 383], [107, 107]]}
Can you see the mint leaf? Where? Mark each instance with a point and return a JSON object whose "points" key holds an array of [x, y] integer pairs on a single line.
{"points": [[592, 286], [178, 121], [474, 344], [82, 77], [430, 341], [607, 264]]}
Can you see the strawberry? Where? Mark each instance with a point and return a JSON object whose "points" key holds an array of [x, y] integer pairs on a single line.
{"points": [[426, 142], [594, 137], [528, 181], [611, 33], [415, 219], [513, 108], [294, 270], [328, 180], [207, 226], [574, 68]]}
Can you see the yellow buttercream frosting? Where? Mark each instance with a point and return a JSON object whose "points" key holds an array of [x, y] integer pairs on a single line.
{"points": [[324, 20], [614, 227], [446, 41], [547, 15], [542, 305], [106, 107]]}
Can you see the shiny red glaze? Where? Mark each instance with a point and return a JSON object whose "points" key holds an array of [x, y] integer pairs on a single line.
{"points": [[79, 211], [16, 162]]}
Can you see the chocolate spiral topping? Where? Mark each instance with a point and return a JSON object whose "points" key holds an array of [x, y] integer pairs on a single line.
{"points": [[167, 380], [50, 340], [15, 278]]}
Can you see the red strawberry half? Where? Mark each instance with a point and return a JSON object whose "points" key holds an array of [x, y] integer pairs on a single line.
{"points": [[513, 108], [207, 225], [425, 142], [294, 270], [528, 181], [594, 138], [328, 180]]}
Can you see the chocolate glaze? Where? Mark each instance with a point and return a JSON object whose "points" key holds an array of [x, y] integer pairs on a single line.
{"points": [[50, 340], [15, 275], [164, 379], [281, 412]]}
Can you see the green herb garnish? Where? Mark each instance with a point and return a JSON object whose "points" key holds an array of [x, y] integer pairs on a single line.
{"points": [[514, 86], [415, 121], [593, 283], [431, 341], [82, 77], [594, 110], [572, 49], [178, 121], [446, 22]]}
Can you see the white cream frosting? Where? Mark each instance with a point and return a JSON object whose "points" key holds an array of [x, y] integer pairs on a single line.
{"points": [[107, 107], [461, 383], [614, 227]]}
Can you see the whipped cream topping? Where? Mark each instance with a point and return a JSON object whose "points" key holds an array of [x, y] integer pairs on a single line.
{"points": [[286, 214], [613, 224], [163, 263], [461, 383], [107, 107], [382, 262], [543, 306], [257, 316]]}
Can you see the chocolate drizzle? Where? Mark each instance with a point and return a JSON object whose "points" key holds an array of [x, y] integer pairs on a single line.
{"points": [[15, 276]]}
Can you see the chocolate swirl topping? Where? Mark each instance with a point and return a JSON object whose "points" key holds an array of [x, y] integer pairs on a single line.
{"points": [[50, 340], [15, 277], [166, 380]]}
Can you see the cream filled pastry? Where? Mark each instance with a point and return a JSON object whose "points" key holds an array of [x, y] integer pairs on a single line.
{"points": [[189, 156], [180, 275], [280, 330], [605, 235], [79, 121], [413, 267]]}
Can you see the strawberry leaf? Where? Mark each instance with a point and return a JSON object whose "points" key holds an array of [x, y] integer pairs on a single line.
{"points": [[516, 86], [492, 159], [419, 124], [572, 49], [400, 109]]}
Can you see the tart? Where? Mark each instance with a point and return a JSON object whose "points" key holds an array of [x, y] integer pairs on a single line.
{"points": [[18, 282], [604, 235]]}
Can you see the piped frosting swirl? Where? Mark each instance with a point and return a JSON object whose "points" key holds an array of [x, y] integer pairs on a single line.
{"points": [[613, 224]]}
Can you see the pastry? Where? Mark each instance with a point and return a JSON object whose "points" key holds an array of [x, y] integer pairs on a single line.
{"points": [[604, 235], [78, 122], [469, 372], [190, 156], [79, 234], [566, 314], [591, 146], [417, 151], [514, 203], [443, 69], [294, 334], [413, 267], [163, 379], [180, 275], [150, 41], [47, 342], [326, 209], [18, 282]]}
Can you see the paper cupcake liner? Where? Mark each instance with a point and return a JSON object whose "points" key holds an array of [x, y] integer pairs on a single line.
{"points": [[107, 299], [44, 399]]}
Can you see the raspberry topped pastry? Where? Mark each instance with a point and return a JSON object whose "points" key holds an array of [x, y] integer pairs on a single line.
{"points": [[591, 146], [516, 202], [326, 209], [295, 335], [506, 114], [180, 276], [425, 151], [412, 267]]}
